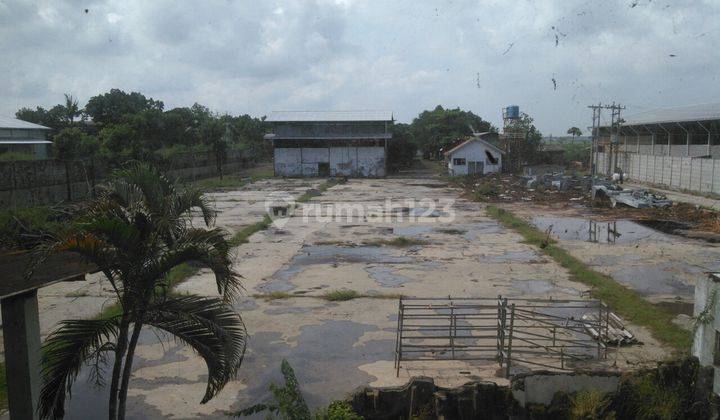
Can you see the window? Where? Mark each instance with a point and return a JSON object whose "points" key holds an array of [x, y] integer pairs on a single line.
{"points": [[492, 159], [459, 162]]}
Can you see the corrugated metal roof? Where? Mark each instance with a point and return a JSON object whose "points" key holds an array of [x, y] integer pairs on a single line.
{"points": [[702, 112], [10, 122], [309, 116], [28, 141]]}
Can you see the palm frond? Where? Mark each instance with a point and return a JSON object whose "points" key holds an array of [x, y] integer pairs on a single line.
{"points": [[208, 248], [64, 353], [211, 327]]}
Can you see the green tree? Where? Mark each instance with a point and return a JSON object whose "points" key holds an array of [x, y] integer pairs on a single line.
{"points": [[136, 231], [574, 131], [113, 107], [439, 129], [525, 150], [53, 118], [72, 144], [401, 149], [118, 138]]}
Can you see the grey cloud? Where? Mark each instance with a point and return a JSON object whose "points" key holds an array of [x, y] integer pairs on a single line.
{"points": [[256, 56]]}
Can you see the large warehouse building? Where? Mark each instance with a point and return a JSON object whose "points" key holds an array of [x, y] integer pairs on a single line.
{"points": [[330, 143], [674, 147]]}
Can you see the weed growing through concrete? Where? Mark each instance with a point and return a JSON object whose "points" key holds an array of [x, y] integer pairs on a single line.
{"points": [[241, 237], [624, 301], [341, 295]]}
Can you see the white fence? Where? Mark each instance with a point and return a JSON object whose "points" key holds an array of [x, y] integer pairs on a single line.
{"points": [[686, 173]]}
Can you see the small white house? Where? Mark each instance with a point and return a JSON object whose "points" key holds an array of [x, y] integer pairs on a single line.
{"points": [[474, 156]]}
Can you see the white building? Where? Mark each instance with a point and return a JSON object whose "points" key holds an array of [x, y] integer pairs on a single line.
{"points": [[706, 343], [23, 137], [330, 143], [474, 156]]}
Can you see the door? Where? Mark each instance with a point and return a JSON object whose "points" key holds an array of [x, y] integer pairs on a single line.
{"points": [[476, 167], [323, 169]]}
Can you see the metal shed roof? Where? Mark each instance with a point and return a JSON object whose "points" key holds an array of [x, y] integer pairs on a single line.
{"points": [[701, 112], [10, 122], [317, 116]]}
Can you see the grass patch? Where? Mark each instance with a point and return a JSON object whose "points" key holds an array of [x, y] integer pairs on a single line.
{"points": [[217, 183], [235, 180], [399, 242], [624, 301], [77, 294], [241, 237], [341, 295]]}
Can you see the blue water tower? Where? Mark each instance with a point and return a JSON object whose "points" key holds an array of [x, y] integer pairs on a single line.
{"points": [[512, 111]]}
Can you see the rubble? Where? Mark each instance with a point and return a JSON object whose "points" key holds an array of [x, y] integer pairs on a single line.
{"points": [[637, 198]]}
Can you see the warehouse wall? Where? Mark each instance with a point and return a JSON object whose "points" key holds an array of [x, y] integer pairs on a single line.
{"points": [[686, 173], [367, 162]]}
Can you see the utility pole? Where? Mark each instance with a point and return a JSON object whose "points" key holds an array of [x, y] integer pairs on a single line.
{"points": [[615, 121]]}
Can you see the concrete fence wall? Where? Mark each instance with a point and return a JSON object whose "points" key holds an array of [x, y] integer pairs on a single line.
{"points": [[686, 173], [39, 182]]}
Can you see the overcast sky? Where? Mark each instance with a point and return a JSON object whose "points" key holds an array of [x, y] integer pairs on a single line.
{"points": [[552, 58]]}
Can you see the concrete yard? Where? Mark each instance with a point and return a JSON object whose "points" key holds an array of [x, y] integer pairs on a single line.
{"points": [[335, 347]]}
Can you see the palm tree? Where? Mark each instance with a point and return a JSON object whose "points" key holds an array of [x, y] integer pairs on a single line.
{"points": [[135, 231], [574, 131], [72, 109]]}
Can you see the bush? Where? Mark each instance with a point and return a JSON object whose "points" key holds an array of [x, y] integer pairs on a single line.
{"points": [[338, 410]]}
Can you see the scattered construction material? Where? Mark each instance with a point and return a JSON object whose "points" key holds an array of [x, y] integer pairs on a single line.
{"points": [[637, 198], [614, 335]]}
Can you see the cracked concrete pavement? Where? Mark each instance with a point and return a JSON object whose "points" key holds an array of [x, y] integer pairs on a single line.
{"points": [[334, 347]]}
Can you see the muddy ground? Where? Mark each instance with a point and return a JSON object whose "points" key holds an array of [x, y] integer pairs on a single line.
{"points": [[336, 346]]}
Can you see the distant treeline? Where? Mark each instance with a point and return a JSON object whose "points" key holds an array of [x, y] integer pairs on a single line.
{"points": [[118, 126]]}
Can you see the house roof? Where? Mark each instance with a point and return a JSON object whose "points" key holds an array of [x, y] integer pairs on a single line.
{"points": [[689, 113], [471, 140], [10, 122], [329, 116]]}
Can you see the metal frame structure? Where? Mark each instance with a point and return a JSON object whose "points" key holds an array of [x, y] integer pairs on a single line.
{"points": [[540, 332]]}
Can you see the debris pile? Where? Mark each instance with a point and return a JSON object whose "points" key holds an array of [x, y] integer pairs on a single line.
{"points": [[614, 335], [637, 198]]}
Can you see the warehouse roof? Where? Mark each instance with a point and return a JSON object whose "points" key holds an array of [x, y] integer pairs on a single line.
{"points": [[10, 122], [318, 116], [689, 113]]}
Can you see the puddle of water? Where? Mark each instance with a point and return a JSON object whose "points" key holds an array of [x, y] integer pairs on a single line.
{"points": [[386, 276], [654, 279], [328, 255], [677, 307], [412, 230], [618, 232]]}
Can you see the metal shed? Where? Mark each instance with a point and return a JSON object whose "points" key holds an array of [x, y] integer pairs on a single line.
{"points": [[23, 137], [330, 143]]}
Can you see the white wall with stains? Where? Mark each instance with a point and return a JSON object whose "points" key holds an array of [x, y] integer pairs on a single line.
{"points": [[366, 162]]}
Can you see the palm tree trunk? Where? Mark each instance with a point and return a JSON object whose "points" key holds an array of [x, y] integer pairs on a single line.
{"points": [[119, 354], [127, 370]]}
